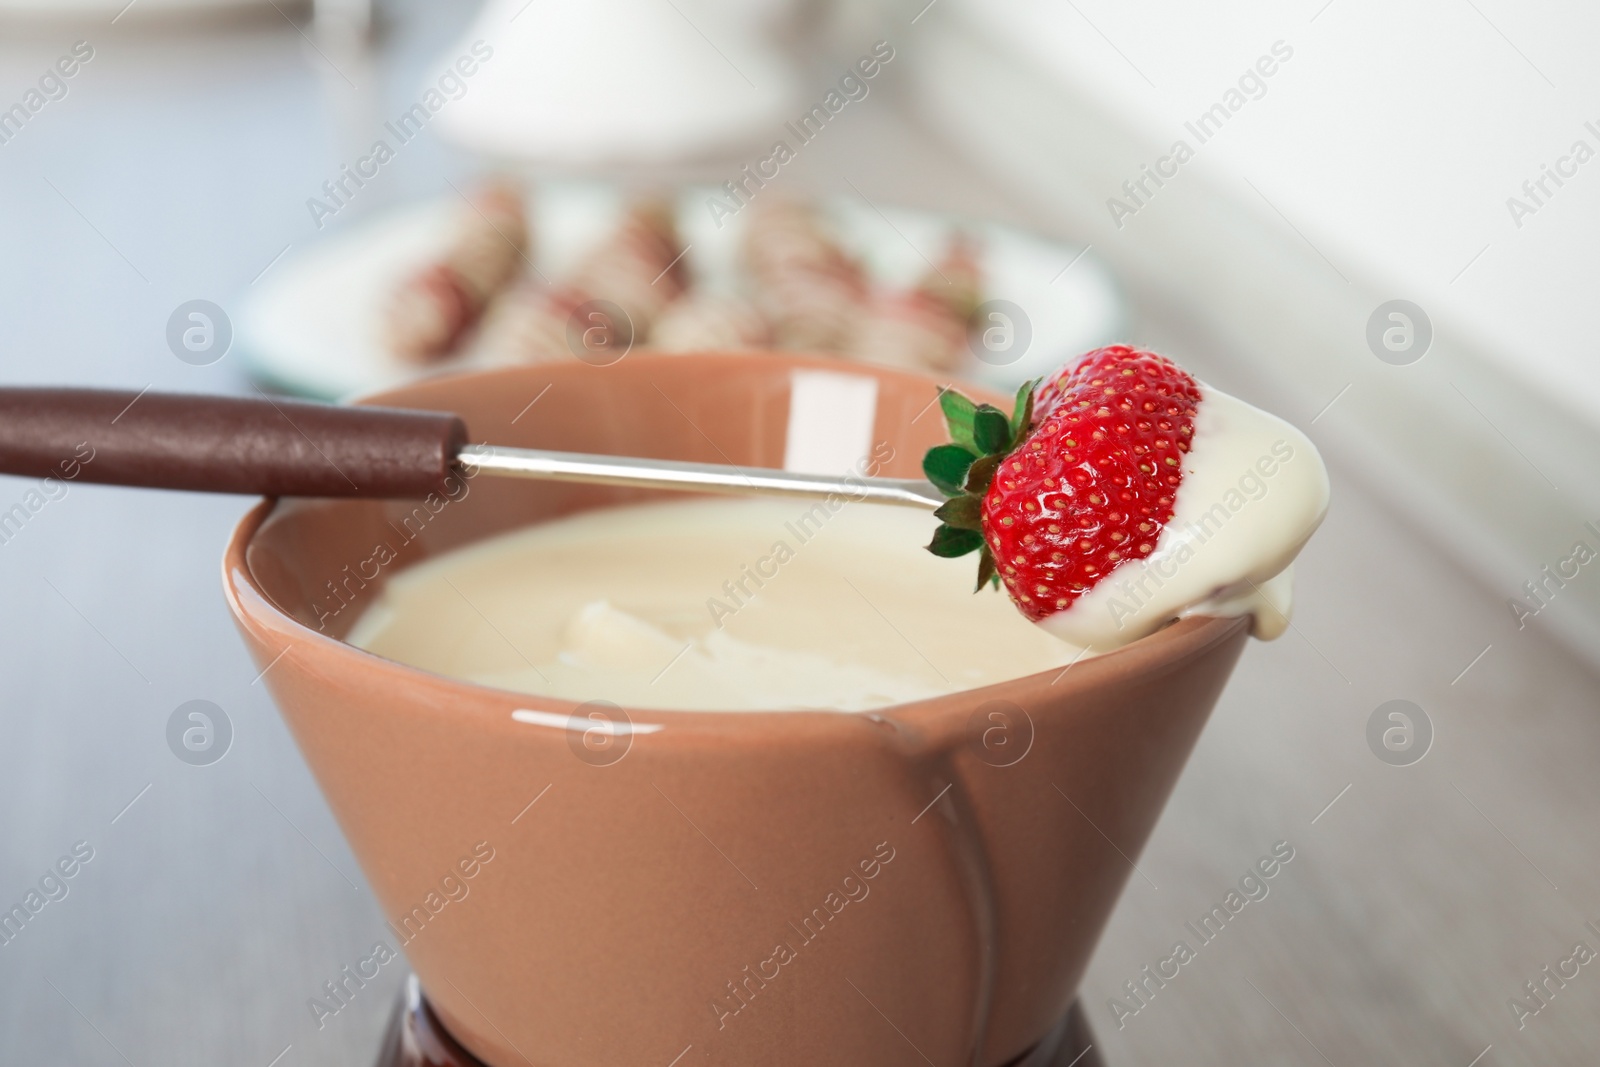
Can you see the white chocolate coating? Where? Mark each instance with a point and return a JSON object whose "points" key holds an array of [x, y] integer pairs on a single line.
{"points": [[1254, 489]]}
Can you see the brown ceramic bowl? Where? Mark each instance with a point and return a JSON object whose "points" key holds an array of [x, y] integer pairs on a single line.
{"points": [[923, 884]]}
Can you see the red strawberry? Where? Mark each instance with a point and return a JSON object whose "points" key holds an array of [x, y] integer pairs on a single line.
{"points": [[1056, 505]]}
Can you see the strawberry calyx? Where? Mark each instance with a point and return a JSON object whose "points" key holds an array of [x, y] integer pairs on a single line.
{"points": [[981, 437]]}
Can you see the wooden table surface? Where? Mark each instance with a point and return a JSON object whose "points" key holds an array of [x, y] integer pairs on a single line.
{"points": [[219, 898]]}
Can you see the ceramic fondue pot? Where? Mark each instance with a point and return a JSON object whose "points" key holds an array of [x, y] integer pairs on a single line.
{"points": [[585, 886]]}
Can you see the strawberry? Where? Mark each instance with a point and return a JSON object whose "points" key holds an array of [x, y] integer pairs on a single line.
{"points": [[1079, 480]]}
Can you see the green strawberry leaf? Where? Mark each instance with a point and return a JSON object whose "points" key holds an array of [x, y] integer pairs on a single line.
{"points": [[962, 512], [1022, 413], [981, 473], [950, 542], [986, 571], [991, 432], [958, 415], [946, 467]]}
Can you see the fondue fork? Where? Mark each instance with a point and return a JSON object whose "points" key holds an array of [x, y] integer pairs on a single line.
{"points": [[274, 447]]}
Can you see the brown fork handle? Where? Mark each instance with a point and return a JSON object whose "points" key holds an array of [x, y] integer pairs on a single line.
{"points": [[217, 444]]}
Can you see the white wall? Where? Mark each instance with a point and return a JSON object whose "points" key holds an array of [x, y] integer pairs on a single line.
{"points": [[1392, 140], [1376, 165]]}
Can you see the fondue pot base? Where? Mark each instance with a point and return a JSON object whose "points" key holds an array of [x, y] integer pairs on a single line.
{"points": [[416, 1038]]}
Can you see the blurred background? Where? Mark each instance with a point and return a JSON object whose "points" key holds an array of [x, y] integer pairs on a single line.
{"points": [[1376, 220]]}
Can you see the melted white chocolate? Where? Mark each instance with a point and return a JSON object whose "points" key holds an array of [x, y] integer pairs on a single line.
{"points": [[768, 605], [711, 605]]}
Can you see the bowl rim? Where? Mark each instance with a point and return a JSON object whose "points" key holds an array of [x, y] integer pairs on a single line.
{"points": [[255, 610]]}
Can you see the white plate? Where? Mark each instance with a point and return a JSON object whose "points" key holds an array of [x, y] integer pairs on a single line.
{"points": [[312, 325]]}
